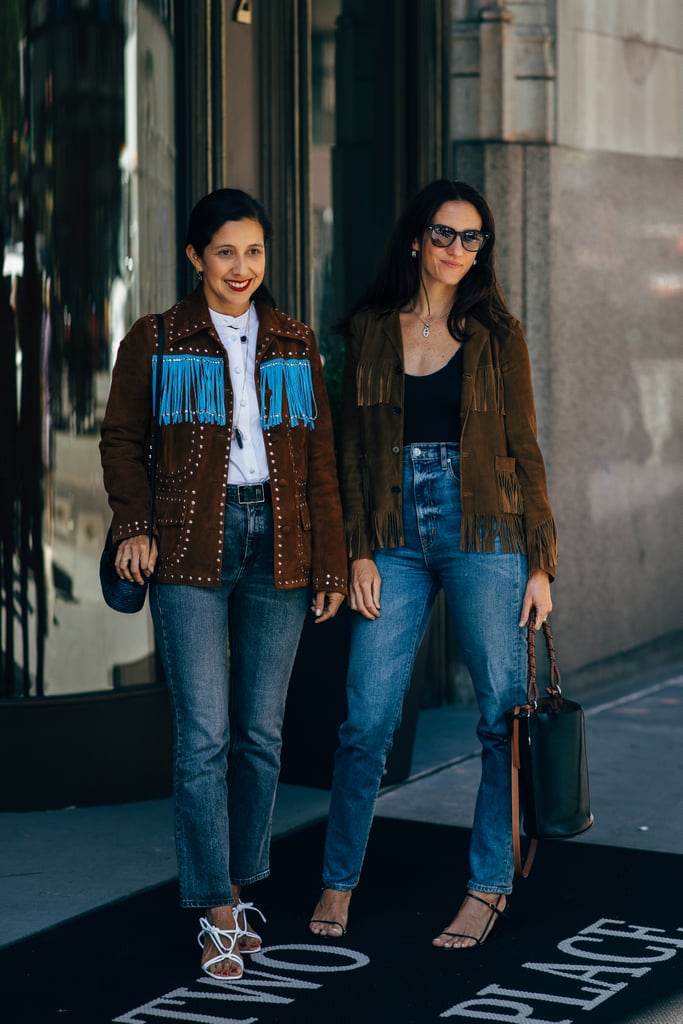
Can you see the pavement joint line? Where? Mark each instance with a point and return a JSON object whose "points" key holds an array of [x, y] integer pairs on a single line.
{"points": [[427, 773], [629, 698]]}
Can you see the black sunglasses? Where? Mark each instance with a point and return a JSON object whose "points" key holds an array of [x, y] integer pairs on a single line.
{"points": [[442, 236]]}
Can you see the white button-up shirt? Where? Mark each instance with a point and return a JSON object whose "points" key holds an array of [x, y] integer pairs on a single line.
{"points": [[248, 464]]}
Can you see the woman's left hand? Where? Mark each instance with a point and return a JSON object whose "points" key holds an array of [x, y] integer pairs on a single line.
{"points": [[537, 595], [135, 560], [325, 606]]}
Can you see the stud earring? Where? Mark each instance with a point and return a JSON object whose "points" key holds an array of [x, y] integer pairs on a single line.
{"points": [[413, 253], [474, 262], [200, 275]]}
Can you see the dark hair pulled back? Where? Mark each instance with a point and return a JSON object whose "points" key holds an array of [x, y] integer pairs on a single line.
{"points": [[212, 212]]}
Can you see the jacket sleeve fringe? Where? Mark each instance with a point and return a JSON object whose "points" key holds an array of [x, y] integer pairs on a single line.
{"points": [[542, 548], [357, 543], [381, 530]]}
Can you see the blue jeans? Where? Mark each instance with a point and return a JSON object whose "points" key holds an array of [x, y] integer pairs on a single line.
{"points": [[484, 593], [228, 721]]}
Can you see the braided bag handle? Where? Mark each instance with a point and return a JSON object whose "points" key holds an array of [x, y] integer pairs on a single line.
{"points": [[554, 688]]}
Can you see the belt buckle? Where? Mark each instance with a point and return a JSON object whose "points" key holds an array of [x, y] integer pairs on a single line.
{"points": [[250, 488]]}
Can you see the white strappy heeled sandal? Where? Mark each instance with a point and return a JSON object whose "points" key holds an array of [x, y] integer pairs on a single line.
{"points": [[225, 950], [242, 923]]}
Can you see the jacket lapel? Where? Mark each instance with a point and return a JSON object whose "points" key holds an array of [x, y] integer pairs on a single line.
{"points": [[189, 316], [274, 326], [391, 328]]}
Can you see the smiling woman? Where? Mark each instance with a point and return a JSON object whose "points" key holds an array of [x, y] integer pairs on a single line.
{"points": [[241, 532], [232, 265]]}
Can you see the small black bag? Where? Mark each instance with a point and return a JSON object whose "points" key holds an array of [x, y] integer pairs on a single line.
{"points": [[121, 595], [549, 765], [126, 595]]}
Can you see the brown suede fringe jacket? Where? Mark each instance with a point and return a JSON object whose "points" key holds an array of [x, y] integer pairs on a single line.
{"points": [[502, 476], [194, 449]]}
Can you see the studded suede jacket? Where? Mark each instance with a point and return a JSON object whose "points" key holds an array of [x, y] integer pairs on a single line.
{"points": [[503, 489], [194, 447]]}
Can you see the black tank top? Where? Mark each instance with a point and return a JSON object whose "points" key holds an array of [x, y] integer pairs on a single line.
{"points": [[432, 404]]}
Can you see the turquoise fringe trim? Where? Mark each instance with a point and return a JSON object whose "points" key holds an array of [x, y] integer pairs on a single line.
{"points": [[293, 378], [192, 389]]}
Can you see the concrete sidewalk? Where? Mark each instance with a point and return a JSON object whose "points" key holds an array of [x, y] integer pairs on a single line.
{"points": [[55, 865]]}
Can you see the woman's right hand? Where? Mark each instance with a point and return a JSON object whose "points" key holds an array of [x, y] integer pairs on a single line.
{"points": [[134, 560], [364, 588]]}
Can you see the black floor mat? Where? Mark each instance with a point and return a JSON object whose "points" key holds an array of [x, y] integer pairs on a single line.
{"points": [[595, 935]]}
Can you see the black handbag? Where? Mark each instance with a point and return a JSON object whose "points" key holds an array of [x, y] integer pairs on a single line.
{"points": [[126, 595], [548, 758]]}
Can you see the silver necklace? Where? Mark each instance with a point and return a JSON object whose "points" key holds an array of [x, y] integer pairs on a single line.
{"points": [[237, 325], [427, 323], [236, 432]]}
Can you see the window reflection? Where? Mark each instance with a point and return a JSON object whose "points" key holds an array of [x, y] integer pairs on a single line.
{"points": [[323, 121], [89, 244]]}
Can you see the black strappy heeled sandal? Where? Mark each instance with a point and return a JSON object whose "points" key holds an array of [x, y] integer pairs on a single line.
{"points": [[329, 921], [335, 924], [496, 912]]}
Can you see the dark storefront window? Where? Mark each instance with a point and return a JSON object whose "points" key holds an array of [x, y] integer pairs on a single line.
{"points": [[323, 131], [88, 215]]}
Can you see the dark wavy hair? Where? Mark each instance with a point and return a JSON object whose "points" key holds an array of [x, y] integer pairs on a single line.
{"points": [[211, 213], [399, 277]]}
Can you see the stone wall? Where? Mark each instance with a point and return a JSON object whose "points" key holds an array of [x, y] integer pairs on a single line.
{"points": [[589, 214], [616, 397]]}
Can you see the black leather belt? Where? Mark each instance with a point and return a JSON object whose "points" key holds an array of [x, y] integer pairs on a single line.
{"points": [[250, 494]]}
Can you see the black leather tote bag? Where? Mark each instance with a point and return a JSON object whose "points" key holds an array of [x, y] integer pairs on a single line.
{"points": [[549, 763]]}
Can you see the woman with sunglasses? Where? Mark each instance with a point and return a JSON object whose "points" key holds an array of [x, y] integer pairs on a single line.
{"points": [[443, 487]]}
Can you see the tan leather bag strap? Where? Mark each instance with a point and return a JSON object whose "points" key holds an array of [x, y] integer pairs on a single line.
{"points": [[523, 870]]}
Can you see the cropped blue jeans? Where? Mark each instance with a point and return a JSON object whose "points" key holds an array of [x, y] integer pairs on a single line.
{"points": [[227, 719], [484, 593]]}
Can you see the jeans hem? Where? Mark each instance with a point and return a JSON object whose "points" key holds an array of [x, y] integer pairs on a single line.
{"points": [[339, 888], [252, 878], [498, 890], [208, 904]]}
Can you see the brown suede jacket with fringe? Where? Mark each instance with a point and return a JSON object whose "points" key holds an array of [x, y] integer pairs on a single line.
{"points": [[502, 475], [194, 452]]}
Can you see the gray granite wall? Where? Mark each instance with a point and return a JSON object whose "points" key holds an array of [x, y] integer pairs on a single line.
{"points": [[615, 251], [591, 258]]}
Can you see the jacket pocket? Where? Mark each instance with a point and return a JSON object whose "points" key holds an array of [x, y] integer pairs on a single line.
{"points": [[304, 517], [510, 500], [305, 537], [169, 511]]}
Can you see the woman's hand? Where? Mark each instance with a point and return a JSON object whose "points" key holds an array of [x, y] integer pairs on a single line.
{"points": [[537, 595], [134, 560], [325, 606], [364, 588]]}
